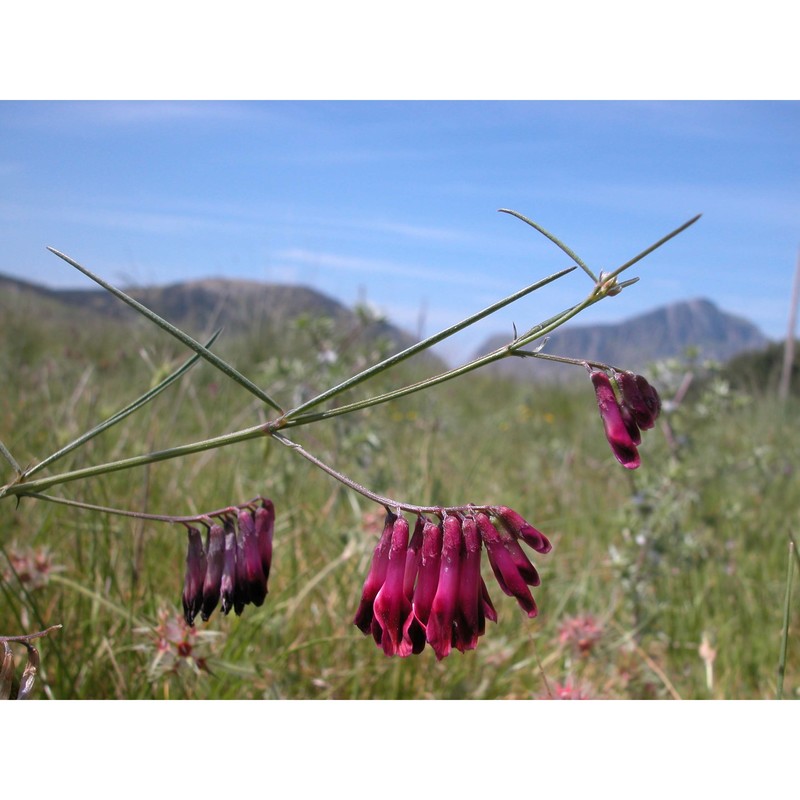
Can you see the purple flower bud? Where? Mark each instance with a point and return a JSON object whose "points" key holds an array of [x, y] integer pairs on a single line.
{"points": [[639, 397], [265, 527], [630, 425], [440, 623], [519, 527], [228, 582], [195, 575], [241, 588], [470, 621], [617, 434], [392, 607], [651, 397], [253, 571], [375, 578], [215, 558], [506, 567]]}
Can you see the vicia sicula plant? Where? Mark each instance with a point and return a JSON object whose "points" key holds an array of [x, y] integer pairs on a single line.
{"points": [[426, 585]]}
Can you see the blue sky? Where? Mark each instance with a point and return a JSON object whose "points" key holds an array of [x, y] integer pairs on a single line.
{"points": [[396, 202]]}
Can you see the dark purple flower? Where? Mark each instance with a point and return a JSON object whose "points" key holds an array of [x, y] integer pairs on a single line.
{"points": [[640, 398], [616, 431], [253, 572], [651, 397], [265, 527], [215, 558], [195, 575], [228, 582]]}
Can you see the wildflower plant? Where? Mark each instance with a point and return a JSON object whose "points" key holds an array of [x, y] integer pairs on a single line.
{"points": [[426, 586]]}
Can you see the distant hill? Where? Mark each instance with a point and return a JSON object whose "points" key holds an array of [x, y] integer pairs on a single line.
{"points": [[201, 306], [634, 343]]}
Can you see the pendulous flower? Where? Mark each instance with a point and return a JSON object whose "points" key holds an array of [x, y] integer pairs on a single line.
{"points": [[634, 408], [234, 565], [429, 589], [195, 575]]}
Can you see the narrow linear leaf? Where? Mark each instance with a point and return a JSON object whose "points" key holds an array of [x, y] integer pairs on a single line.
{"points": [[655, 246], [180, 335], [125, 412], [786, 616], [396, 359], [11, 460], [554, 239]]}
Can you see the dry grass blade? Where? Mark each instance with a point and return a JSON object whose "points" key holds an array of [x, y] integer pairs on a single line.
{"points": [[29, 673], [6, 672]]}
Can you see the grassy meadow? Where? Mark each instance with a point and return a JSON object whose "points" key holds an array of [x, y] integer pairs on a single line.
{"points": [[666, 582]]}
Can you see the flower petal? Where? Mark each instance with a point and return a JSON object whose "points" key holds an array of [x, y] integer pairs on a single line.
{"points": [[375, 578]]}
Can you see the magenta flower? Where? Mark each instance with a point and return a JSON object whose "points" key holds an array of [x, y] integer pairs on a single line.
{"points": [[511, 567], [617, 433], [625, 414], [392, 607], [377, 574], [440, 622], [430, 590]]}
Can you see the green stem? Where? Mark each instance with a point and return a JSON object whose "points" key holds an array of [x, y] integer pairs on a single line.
{"points": [[652, 247], [11, 460], [120, 415], [29, 487], [786, 615], [182, 337], [396, 359], [502, 352]]}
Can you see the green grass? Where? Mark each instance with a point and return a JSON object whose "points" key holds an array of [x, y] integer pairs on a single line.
{"points": [[693, 544]]}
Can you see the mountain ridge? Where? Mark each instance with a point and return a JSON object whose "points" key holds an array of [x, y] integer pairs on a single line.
{"points": [[664, 332], [204, 304]]}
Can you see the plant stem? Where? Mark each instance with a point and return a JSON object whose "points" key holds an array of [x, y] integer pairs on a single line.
{"points": [[786, 614], [387, 502], [120, 415], [205, 517], [182, 337], [396, 359], [28, 487]]}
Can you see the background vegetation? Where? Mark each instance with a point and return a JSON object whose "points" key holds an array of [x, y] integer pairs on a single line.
{"points": [[666, 582]]}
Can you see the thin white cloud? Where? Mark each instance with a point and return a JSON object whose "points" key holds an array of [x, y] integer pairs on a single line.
{"points": [[373, 266]]}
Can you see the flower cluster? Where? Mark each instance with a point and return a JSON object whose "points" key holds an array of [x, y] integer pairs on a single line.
{"points": [[175, 646], [580, 633], [634, 407], [429, 588], [32, 568], [234, 564]]}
